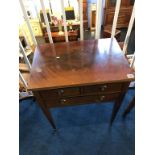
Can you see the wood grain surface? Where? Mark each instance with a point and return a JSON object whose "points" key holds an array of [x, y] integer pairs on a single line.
{"points": [[77, 63]]}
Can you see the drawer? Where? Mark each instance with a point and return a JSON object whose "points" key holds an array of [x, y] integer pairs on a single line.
{"points": [[56, 93], [69, 91], [49, 95], [88, 99], [102, 88]]}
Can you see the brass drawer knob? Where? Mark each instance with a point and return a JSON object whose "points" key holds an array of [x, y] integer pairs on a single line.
{"points": [[61, 91], [102, 98], [103, 87], [63, 101]]}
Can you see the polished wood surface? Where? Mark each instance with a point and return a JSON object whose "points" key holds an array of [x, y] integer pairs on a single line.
{"points": [[78, 63]]}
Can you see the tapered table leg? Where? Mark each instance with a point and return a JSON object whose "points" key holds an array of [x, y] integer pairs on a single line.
{"points": [[119, 100], [45, 110], [116, 107], [49, 116], [130, 106]]}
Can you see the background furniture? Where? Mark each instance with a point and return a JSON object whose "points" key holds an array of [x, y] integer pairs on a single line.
{"points": [[36, 27], [92, 17], [107, 33], [69, 14], [55, 28], [72, 36], [81, 72], [85, 17], [124, 13], [42, 16]]}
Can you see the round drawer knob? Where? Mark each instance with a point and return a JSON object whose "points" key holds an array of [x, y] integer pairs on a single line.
{"points": [[102, 98], [61, 91], [103, 87], [63, 101]]}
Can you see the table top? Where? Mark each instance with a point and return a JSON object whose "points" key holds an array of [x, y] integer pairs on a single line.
{"points": [[78, 63]]}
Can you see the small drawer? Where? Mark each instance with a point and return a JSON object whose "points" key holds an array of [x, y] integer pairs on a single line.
{"points": [[88, 99], [49, 95], [69, 91], [102, 88]]}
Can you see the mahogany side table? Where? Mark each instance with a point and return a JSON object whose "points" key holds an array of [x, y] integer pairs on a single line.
{"points": [[79, 72]]}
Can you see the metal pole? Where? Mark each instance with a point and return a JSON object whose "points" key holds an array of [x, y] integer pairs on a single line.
{"points": [[22, 79], [129, 31], [64, 19], [24, 54], [81, 18], [46, 21], [28, 22], [98, 19], [115, 18], [132, 61]]}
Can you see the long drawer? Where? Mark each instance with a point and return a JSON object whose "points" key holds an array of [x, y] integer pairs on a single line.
{"points": [[80, 100], [57, 93]]}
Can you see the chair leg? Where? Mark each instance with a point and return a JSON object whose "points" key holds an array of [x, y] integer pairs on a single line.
{"points": [[130, 106]]}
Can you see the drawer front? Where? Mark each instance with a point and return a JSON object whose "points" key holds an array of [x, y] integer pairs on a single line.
{"points": [[81, 95], [104, 88], [50, 96], [87, 99], [69, 91], [56, 93]]}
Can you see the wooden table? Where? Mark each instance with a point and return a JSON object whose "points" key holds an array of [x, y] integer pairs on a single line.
{"points": [[80, 72]]}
